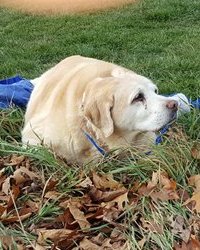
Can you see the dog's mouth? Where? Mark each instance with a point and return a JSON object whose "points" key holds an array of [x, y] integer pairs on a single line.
{"points": [[173, 116], [168, 124]]}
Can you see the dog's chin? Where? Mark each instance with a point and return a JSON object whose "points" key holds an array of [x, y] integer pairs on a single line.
{"points": [[171, 120]]}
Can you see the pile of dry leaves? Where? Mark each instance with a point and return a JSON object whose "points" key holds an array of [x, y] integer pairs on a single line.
{"points": [[97, 214]]}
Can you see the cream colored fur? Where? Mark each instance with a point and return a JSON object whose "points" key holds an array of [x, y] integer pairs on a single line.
{"points": [[82, 93]]}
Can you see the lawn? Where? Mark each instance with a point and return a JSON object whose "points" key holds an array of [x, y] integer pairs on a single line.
{"points": [[136, 202]]}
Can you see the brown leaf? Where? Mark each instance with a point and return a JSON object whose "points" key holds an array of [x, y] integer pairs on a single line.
{"points": [[160, 188], [39, 247], [162, 179], [193, 244], [15, 218], [179, 228], [33, 205], [51, 184], [195, 151], [52, 234], [16, 160], [91, 244], [68, 242], [152, 226], [15, 193], [53, 195], [85, 183], [142, 242], [96, 214], [98, 239], [22, 174], [2, 179], [79, 217], [4, 198], [86, 244], [6, 186], [6, 241], [195, 180], [105, 182], [24, 213], [196, 198], [110, 215], [120, 245], [98, 195], [164, 195], [121, 201], [2, 209], [67, 220]]}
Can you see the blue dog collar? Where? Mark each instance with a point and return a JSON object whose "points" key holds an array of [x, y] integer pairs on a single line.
{"points": [[94, 143]]}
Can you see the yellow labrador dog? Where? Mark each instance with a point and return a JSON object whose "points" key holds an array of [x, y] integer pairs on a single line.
{"points": [[82, 96]]}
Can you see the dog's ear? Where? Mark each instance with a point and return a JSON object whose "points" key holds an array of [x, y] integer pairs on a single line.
{"points": [[98, 111]]}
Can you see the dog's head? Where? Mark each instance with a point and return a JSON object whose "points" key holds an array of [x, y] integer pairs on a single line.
{"points": [[128, 102]]}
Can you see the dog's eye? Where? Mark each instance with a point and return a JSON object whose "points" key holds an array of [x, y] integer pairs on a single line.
{"points": [[138, 98], [156, 91]]}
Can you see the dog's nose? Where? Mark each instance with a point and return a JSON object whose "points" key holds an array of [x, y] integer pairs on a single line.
{"points": [[172, 104]]}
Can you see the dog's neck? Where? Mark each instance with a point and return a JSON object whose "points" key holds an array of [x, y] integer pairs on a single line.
{"points": [[129, 138], [123, 138]]}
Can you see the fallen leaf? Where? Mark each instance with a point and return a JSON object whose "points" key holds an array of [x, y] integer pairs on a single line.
{"points": [[2, 209], [53, 195], [142, 242], [164, 195], [79, 217], [85, 183], [121, 201], [6, 241], [163, 180], [51, 184], [39, 247], [52, 234], [68, 242], [195, 181], [196, 198], [33, 205], [15, 193], [16, 160], [98, 195], [22, 174], [15, 218], [180, 229], [160, 188], [195, 151], [111, 214], [89, 244], [105, 182], [67, 220], [2, 178], [193, 244], [152, 226], [86, 244], [6, 186]]}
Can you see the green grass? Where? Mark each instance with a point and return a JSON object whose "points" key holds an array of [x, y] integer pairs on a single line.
{"points": [[156, 38], [159, 39]]}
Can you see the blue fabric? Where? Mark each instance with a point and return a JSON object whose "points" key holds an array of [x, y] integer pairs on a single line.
{"points": [[163, 131], [15, 91], [196, 103]]}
